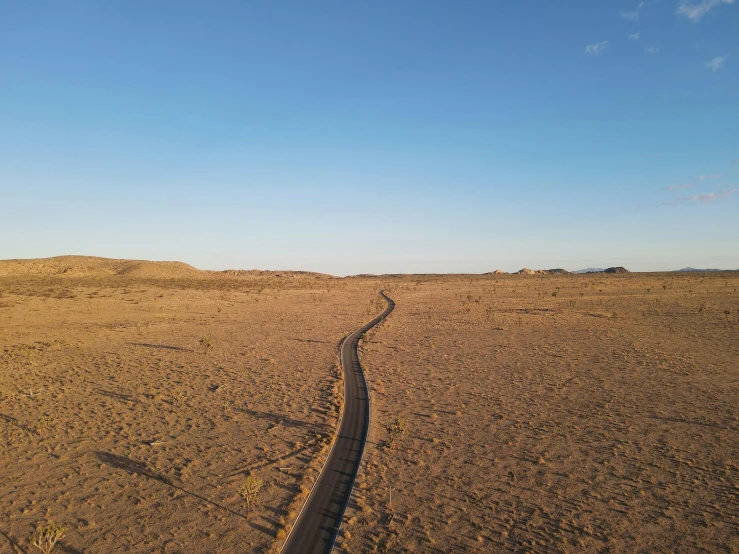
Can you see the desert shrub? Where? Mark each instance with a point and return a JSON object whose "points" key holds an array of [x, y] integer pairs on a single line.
{"points": [[178, 399], [207, 344], [47, 535], [249, 490], [395, 429]]}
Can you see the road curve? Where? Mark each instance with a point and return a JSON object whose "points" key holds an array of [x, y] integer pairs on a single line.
{"points": [[318, 523]]}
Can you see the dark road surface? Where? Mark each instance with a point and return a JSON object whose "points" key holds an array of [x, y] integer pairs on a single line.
{"points": [[318, 523]]}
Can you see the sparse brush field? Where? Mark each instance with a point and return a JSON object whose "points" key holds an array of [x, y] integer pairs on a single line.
{"points": [[132, 410], [589, 413], [594, 413]]}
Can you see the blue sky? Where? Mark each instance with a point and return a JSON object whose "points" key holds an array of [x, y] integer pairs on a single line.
{"points": [[384, 136]]}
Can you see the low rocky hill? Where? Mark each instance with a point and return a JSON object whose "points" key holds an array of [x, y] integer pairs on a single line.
{"points": [[84, 266], [92, 266]]}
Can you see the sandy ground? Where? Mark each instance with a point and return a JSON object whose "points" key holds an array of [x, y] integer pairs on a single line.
{"points": [[116, 422], [594, 413], [589, 413]]}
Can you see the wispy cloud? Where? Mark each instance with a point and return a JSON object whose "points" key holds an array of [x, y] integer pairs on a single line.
{"points": [[652, 50], [705, 198], [634, 36], [717, 63], [597, 48], [686, 186], [696, 10], [633, 15]]}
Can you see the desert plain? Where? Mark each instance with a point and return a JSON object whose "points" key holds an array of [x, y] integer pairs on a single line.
{"points": [[545, 413]]}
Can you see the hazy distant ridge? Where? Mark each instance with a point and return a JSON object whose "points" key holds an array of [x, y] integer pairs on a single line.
{"points": [[591, 270], [702, 270]]}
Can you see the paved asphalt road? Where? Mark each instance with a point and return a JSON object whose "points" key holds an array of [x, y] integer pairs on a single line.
{"points": [[318, 523]]}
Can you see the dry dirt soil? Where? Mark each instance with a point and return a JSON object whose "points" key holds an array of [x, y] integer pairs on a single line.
{"points": [[593, 413], [583, 413], [115, 421]]}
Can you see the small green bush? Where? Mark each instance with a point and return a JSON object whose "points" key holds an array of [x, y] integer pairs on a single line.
{"points": [[207, 344]]}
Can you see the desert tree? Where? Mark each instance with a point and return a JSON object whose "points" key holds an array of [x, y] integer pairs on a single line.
{"points": [[249, 490], [47, 535], [397, 427]]}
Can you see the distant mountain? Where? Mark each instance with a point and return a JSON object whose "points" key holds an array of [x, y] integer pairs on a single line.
{"points": [[590, 270], [702, 270]]}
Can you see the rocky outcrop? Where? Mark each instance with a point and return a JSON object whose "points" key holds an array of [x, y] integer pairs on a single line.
{"points": [[616, 270], [557, 271]]}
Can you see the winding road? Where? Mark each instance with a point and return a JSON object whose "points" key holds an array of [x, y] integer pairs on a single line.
{"points": [[318, 522]]}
